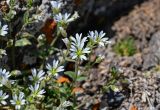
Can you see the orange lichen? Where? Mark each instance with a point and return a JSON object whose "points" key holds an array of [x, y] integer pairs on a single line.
{"points": [[133, 107], [48, 29], [63, 79], [77, 90]]}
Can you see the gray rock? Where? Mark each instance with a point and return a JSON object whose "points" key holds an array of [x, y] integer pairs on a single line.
{"points": [[86, 85], [152, 58]]}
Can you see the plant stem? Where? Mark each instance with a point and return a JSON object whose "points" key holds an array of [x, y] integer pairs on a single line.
{"points": [[52, 44], [13, 53], [55, 39], [76, 72], [89, 64], [76, 69], [13, 46]]}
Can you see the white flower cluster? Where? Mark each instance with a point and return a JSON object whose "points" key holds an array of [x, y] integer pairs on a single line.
{"points": [[62, 19], [37, 77], [98, 38], [18, 99], [80, 47]]}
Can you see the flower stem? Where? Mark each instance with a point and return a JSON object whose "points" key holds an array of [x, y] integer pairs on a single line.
{"points": [[13, 46], [76, 69], [55, 39], [76, 72]]}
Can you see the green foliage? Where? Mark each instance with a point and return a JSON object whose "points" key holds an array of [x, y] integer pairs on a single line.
{"points": [[113, 80], [75, 77], [125, 47], [81, 78], [70, 74], [116, 78], [22, 42]]}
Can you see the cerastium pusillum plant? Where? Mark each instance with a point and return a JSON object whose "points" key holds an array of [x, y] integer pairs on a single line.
{"points": [[41, 88]]}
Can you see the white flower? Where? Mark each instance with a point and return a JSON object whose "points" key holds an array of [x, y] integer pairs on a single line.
{"points": [[3, 29], [65, 18], [37, 76], [98, 38], [35, 91], [56, 4], [3, 97], [4, 75], [77, 49], [18, 101], [54, 68]]}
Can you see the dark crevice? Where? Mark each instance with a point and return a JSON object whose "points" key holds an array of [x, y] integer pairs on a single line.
{"points": [[110, 11]]}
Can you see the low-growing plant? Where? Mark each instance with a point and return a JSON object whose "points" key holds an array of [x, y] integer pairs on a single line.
{"points": [[111, 84], [125, 47], [48, 85], [116, 77]]}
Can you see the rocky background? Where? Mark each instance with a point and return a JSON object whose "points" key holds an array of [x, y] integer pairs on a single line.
{"points": [[139, 19]]}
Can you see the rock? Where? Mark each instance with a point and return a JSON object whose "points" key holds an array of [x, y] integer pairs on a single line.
{"points": [[125, 62], [137, 61], [152, 58], [86, 85], [113, 99], [140, 23]]}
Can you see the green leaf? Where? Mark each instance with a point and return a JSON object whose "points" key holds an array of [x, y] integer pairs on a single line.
{"points": [[114, 72], [71, 74], [26, 35], [114, 88], [26, 17], [15, 73], [22, 42], [81, 78], [29, 3]]}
